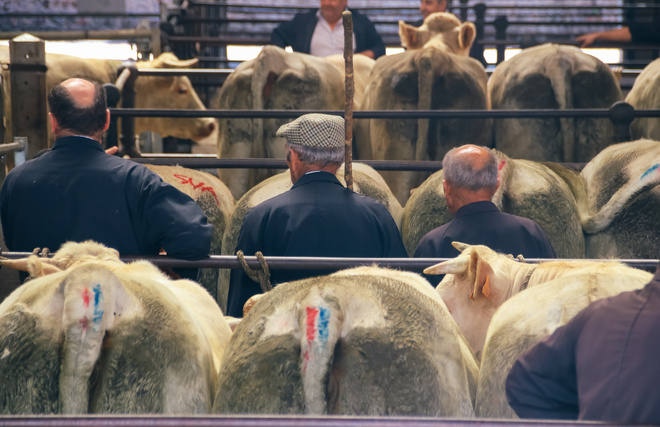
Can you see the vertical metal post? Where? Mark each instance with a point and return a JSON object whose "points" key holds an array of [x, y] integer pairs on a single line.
{"points": [[621, 115], [501, 23], [477, 49], [464, 10], [129, 146], [28, 91], [2, 109], [112, 96]]}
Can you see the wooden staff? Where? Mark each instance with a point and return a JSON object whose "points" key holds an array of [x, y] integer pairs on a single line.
{"points": [[349, 84]]}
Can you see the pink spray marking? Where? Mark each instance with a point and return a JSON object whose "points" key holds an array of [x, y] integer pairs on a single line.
{"points": [[85, 298]]}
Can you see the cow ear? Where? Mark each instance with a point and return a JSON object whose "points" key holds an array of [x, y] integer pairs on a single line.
{"points": [[482, 272], [408, 35], [467, 34]]}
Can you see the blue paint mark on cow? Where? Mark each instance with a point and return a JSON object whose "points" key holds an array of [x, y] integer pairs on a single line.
{"points": [[650, 170], [98, 301], [323, 320]]}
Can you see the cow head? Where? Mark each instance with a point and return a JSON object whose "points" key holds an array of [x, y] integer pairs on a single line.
{"points": [[440, 30], [477, 282], [173, 92]]}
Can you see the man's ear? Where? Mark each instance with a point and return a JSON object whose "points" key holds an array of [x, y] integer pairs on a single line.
{"points": [[107, 120], [53, 123]]}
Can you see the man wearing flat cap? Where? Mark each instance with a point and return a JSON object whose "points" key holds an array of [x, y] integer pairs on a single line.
{"points": [[318, 216]]}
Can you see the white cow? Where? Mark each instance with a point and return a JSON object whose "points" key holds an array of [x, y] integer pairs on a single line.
{"points": [[535, 313], [92, 334], [479, 281], [645, 95], [553, 77], [150, 91], [435, 75], [620, 204], [365, 341], [366, 181]]}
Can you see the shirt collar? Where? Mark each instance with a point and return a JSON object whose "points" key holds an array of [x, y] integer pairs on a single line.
{"points": [[477, 207], [77, 140], [316, 176]]}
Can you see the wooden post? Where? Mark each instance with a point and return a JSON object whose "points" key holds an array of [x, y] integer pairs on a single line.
{"points": [[349, 84], [28, 92]]}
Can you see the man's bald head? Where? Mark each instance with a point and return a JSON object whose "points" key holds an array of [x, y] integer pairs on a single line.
{"points": [[471, 167], [78, 107]]}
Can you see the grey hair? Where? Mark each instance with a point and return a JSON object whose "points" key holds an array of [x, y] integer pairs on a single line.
{"points": [[461, 172], [323, 156]]}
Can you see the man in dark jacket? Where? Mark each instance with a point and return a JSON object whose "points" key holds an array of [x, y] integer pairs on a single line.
{"points": [[77, 192], [321, 32], [318, 216], [470, 181], [601, 366]]}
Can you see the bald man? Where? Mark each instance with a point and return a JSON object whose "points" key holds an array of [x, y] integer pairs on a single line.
{"points": [[77, 192], [471, 178]]}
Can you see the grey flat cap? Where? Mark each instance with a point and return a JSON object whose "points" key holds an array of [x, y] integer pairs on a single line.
{"points": [[314, 130]]}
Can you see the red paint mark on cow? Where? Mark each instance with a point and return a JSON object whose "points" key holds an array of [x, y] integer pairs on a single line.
{"points": [[85, 297], [311, 322], [201, 186], [310, 333], [83, 322]]}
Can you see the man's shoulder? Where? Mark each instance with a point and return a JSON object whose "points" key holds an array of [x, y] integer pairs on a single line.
{"points": [[305, 15], [437, 233], [527, 222]]}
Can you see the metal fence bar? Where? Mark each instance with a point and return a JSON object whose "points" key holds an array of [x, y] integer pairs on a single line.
{"points": [[221, 420], [383, 114], [208, 161], [329, 263]]}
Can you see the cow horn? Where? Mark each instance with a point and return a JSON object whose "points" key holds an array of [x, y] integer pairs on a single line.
{"points": [[34, 265], [453, 266], [19, 264], [121, 80], [460, 246]]}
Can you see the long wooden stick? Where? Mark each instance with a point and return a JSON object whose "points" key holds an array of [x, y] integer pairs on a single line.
{"points": [[349, 84]]}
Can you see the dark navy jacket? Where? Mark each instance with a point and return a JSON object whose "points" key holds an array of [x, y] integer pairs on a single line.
{"points": [[481, 223], [298, 32], [77, 192], [601, 366], [317, 217]]}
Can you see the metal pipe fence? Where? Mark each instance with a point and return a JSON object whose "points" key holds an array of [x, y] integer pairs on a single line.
{"points": [[383, 114], [326, 263], [221, 420]]}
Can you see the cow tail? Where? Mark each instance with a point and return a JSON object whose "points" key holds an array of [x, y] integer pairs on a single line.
{"points": [[321, 321], [564, 95], [88, 294], [600, 220], [425, 91]]}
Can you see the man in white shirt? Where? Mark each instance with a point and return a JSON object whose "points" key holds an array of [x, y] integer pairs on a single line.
{"points": [[321, 32]]}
